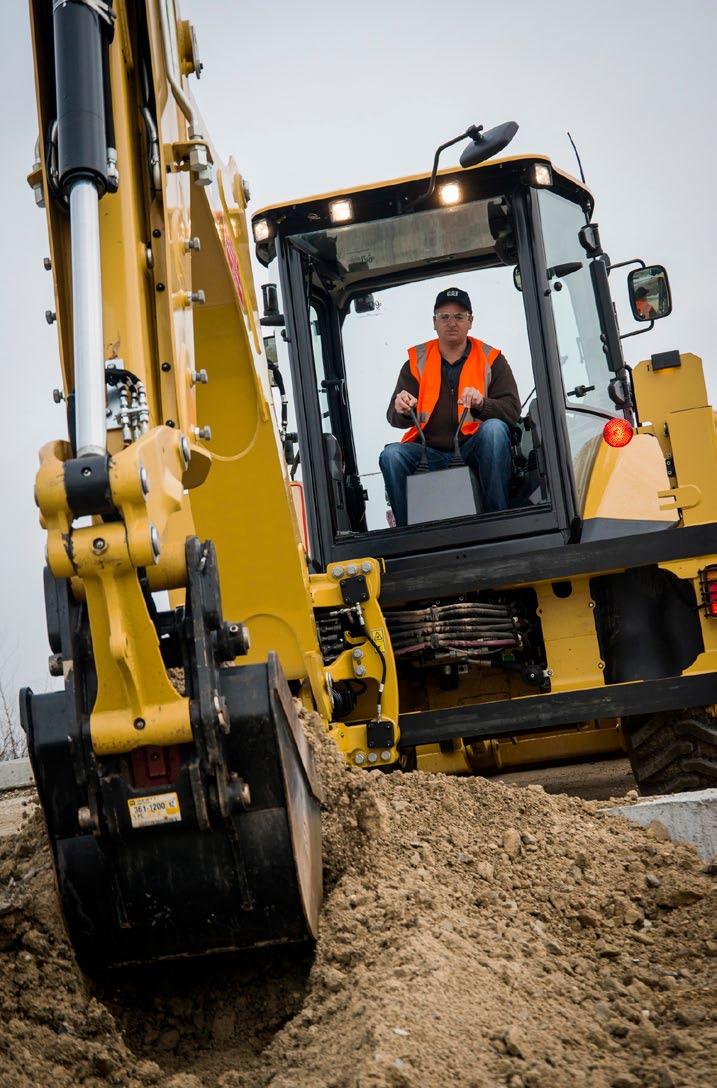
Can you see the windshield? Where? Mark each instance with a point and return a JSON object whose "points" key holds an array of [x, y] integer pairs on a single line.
{"points": [[582, 359], [408, 317], [376, 345]]}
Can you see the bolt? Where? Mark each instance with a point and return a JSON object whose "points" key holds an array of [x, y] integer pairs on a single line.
{"points": [[337, 572], [166, 367], [359, 758], [139, 723], [54, 664], [155, 541], [246, 191], [358, 653], [372, 757], [156, 233], [143, 480], [50, 316], [47, 264], [185, 451], [205, 433], [591, 604], [360, 670], [220, 712], [58, 396], [601, 664], [196, 296], [84, 819], [99, 544], [87, 471], [160, 287], [169, 423], [548, 672], [149, 257], [352, 569], [198, 377], [385, 756], [366, 568], [192, 244]]}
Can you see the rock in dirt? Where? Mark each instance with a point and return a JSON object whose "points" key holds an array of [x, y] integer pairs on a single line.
{"points": [[473, 934]]}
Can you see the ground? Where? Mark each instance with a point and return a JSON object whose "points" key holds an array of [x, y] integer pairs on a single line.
{"points": [[474, 933]]}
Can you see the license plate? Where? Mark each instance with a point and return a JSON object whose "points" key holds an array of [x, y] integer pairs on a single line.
{"points": [[160, 808]]}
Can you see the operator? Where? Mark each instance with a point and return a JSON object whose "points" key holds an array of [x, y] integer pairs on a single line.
{"points": [[438, 380], [645, 309]]}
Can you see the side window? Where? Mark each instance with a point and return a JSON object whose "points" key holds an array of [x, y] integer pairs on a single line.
{"points": [[577, 325], [319, 365]]}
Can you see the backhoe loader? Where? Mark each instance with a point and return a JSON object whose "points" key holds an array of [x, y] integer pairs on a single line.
{"points": [[209, 570]]}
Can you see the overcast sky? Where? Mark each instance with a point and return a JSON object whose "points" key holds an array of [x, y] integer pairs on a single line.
{"points": [[314, 96]]}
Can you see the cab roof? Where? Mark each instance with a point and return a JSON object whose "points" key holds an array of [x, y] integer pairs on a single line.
{"points": [[397, 196], [413, 179]]}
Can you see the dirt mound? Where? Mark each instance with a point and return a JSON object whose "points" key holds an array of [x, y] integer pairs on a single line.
{"points": [[473, 935]]}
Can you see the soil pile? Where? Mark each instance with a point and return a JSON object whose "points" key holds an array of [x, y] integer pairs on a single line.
{"points": [[473, 934]]}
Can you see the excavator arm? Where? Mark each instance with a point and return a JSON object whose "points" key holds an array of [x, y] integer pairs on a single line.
{"points": [[178, 788]]}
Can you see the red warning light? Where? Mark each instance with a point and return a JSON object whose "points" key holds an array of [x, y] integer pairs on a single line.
{"points": [[708, 578], [618, 432]]}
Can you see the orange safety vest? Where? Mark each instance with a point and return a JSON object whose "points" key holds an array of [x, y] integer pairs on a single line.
{"points": [[644, 308], [425, 364]]}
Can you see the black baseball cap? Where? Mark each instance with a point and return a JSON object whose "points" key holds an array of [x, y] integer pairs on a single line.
{"points": [[453, 294]]}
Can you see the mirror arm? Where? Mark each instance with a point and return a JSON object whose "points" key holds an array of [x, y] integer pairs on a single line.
{"points": [[624, 264], [638, 332], [472, 132]]}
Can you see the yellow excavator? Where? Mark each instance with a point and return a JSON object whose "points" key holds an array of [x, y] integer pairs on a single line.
{"points": [[209, 570]]}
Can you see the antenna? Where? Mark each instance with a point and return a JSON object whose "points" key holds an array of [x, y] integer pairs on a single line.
{"points": [[580, 165]]}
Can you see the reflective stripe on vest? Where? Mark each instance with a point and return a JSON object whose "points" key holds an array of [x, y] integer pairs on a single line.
{"points": [[425, 364]]}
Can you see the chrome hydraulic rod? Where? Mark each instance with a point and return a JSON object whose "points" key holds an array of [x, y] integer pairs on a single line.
{"points": [[90, 392]]}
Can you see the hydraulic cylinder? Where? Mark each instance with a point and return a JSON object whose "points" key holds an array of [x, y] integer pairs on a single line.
{"points": [[82, 176]]}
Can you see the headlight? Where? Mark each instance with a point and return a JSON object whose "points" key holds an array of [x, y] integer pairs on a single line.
{"points": [[262, 230], [341, 211], [540, 176], [450, 193]]}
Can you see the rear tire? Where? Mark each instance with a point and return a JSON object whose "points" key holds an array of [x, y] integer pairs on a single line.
{"points": [[673, 751]]}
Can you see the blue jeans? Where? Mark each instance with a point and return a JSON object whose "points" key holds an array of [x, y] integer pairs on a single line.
{"points": [[487, 453]]}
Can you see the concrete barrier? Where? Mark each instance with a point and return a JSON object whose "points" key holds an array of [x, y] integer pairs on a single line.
{"points": [[687, 817], [15, 774]]}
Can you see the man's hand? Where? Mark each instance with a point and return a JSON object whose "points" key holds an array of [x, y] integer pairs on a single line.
{"points": [[404, 402], [471, 398]]}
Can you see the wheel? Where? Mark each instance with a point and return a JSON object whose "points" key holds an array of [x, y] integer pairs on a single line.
{"points": [[673, 751]]}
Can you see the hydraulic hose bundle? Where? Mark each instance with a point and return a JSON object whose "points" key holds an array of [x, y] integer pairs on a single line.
{"points": [[472, 631]]}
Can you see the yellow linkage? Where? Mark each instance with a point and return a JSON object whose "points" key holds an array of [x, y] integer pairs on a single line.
{"points": [[136, 703]]}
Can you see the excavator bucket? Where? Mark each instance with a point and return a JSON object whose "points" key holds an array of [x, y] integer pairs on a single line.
{"points": [[183, 850]]}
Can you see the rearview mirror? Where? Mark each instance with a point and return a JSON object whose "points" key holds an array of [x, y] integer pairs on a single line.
{"points": [[649, 290], [486, 144], [272, 355]]}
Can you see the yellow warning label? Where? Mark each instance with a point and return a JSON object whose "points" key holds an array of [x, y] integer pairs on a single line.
{"points": [[159, 808], [379, 637]]}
